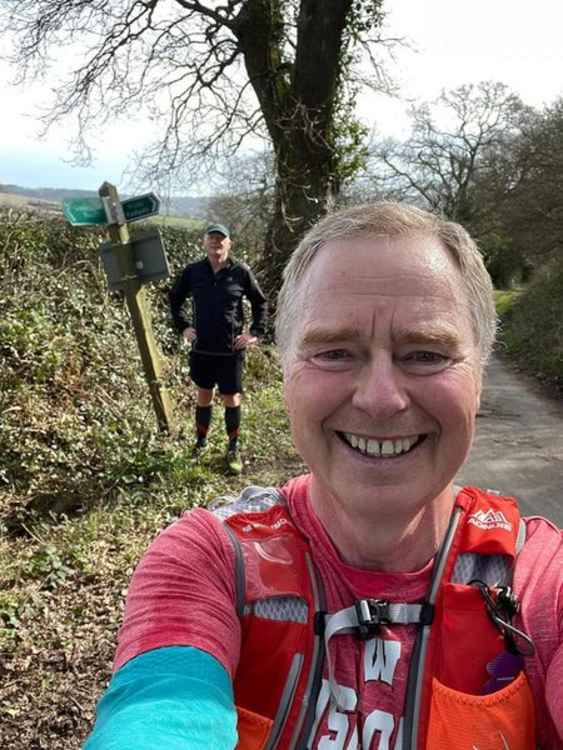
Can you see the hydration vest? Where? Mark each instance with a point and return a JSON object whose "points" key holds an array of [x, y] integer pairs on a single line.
{"points": [[461, 631]]}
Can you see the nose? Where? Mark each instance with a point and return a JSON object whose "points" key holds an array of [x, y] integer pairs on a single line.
{"points": [[380, 390]]}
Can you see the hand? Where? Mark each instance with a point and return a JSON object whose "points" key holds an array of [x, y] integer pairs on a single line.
{"points": [[244, 340], [189, 334]]}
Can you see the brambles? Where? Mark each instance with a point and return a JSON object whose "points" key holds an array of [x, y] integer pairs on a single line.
{"points": [[86, 480]]}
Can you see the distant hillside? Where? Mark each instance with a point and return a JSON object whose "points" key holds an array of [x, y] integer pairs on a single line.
{"points": [[23, 202], [195, 208]]}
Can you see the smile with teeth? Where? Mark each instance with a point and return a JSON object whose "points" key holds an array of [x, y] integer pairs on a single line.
{"points": [[381, 448]]}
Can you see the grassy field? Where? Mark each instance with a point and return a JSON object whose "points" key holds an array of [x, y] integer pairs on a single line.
{"points": [[22, 202], [12, 200], [181, 222]]}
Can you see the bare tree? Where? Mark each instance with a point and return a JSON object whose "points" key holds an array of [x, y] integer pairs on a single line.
{"points": [[243, 199], [524, 185], [454, 140], [215, 74]]}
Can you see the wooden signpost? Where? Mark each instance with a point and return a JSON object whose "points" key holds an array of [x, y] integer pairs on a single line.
{"points": [[125, 268]]}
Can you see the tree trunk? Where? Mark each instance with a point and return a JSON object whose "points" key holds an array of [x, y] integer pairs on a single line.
{"points": [[305, 188], [299, 103]]}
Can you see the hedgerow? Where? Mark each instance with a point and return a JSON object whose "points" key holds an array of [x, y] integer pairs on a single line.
{"points": [[532, 331], [86, 478]]}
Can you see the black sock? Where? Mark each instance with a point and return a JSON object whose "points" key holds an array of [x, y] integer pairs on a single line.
{"points": [[202, 421], [232, 423]]}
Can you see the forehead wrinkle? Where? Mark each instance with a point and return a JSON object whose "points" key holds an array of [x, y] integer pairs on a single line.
{"points": [[332, 289], [346, 278]]}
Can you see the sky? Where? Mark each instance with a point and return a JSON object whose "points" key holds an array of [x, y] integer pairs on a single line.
{"points": [[454, 43]]}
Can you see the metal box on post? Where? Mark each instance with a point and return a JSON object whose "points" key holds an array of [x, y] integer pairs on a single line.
{"points": [[149, 259]]}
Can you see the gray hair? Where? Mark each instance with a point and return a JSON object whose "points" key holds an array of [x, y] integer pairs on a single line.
{"points": [[388, 219]]}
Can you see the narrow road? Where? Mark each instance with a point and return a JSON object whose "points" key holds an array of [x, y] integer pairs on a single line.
{"points": [[519, 445]]}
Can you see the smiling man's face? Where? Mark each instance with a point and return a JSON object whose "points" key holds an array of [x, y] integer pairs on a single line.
{"points": [[217, 247], [382, 384]]}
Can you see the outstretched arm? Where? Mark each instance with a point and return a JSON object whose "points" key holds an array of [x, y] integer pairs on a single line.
{"points": [[178, 646], [173, 698]]}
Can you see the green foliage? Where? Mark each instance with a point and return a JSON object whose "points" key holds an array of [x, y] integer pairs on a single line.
{"points": [[507, 264], [8, 613], [350, 135], [47, 564], [78, 426], [505, 300], [86, 480], [533, 332]]}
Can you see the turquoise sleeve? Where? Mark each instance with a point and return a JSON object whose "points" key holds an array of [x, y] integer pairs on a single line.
{"points": [[175, 698]]}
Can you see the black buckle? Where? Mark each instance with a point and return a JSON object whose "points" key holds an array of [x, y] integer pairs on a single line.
{"points": [[508, 601], [502, 604], [371, 613]]}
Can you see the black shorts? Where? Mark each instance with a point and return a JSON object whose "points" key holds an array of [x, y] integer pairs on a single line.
{"points": [[223, 370]]}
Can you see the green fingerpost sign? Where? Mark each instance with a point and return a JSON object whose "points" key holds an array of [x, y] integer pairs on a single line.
{"points": [[86, 212], [130, 263], [141, 206]]}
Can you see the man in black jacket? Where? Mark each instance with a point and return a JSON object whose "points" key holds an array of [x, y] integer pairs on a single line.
{"points": [[217, 285]]}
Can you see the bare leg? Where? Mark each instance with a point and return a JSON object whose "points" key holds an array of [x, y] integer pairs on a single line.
{"points": [[205, 396], [232, 400]]}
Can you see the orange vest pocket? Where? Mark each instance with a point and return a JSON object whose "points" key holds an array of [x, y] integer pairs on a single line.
{"points": [[504, 720], [253, 730]]}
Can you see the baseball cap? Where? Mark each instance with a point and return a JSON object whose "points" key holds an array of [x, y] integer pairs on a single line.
{"points": [[219, 229]]}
